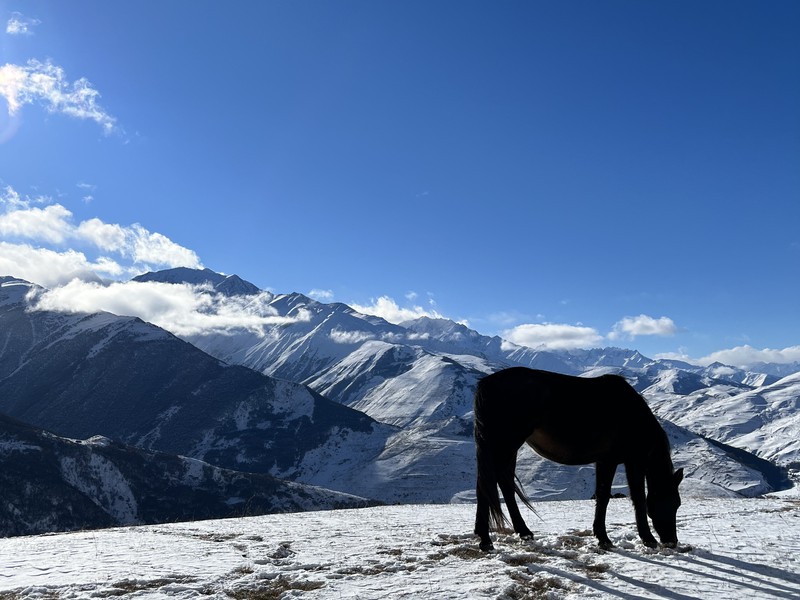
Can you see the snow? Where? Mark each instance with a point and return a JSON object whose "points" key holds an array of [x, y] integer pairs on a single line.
{"points": [[12, 291], [9, 445], [292, 400], [100, 478], [438, 389], [739, 548], [764, 421]]}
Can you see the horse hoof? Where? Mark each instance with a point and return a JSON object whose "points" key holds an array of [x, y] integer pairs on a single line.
{"points": [[650, 543], [670, 545], [605, 545], [526, 536], [486, 547]]}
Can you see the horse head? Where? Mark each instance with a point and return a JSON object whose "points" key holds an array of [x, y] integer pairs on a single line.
{"points": [[662, 507]]}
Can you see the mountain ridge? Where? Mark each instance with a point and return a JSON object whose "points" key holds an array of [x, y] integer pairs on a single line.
{"points": [[332, 355], [428, 330], [355, 369]]}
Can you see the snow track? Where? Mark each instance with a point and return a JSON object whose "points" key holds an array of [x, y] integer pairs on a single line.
{"points": [[740, 548]]}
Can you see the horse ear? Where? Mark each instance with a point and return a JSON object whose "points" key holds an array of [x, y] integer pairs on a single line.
{"points": [[678, 475]]}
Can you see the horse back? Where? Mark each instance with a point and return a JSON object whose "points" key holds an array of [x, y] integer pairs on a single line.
{"points": [[573, 420]]}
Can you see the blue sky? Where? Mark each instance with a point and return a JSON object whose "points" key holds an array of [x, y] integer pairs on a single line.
{"points": [[571, 174]]}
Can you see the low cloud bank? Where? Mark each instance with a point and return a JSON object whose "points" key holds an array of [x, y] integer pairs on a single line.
{"points": [[553, 336], [182, 309], [743, 357], [387, 308]]}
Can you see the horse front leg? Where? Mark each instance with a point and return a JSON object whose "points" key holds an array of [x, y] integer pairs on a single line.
{"points": [[635, 475], [604, 476]]}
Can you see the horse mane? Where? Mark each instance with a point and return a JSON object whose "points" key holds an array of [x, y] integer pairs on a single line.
{"points": [[660, 463]]}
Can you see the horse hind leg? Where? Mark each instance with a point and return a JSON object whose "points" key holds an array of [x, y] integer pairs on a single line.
{"points": [[482, 516], [488, 509]]}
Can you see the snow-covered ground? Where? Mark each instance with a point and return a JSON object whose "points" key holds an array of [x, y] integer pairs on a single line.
{"points": [[748, 548]]}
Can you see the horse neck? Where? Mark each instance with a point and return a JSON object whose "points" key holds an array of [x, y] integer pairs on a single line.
{"points": [[660, 468]]}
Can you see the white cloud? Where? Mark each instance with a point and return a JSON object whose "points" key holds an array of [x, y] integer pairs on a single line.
{"points": [[681, 355], [19, 24], [386, 308], [154, 248], [553, 336], [12, 200], [745, 356], [87, 189], [631, 327], [340, 336], [180, 308], [50, 268], [103, 235], [46, 83], [321, 295], [53, 224], [48, 224]]}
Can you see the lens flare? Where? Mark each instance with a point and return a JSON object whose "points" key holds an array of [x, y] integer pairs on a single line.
{"points": [[9, 123]]}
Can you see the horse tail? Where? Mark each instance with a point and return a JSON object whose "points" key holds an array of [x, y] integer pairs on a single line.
{"points": [[488, 477], [487, 485], [521, 495], [494, 468]]}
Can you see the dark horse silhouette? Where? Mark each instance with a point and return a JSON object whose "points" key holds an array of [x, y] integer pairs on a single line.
{"points": [[573, 421]]}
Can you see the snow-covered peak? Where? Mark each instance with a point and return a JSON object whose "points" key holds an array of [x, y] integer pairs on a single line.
{"points": [[718, 370], [775, 369], [678, 381], [230, 285], [610, 357], [443, 329], [182, 275], [233, 285], [6, 280], [13, 290]]}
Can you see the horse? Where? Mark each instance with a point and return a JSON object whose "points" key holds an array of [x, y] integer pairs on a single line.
{"points": [[572, 421]]}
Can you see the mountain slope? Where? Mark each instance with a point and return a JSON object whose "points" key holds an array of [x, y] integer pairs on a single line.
{"points": [[49, 483], [82, 375], [764, 420]]}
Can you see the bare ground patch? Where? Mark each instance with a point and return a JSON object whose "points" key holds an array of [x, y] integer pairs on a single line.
{"points": [[274, 589]]}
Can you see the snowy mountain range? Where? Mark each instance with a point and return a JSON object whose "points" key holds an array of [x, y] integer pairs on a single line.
{"points": [[349, 402], [424, 371], [86, 375]]}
